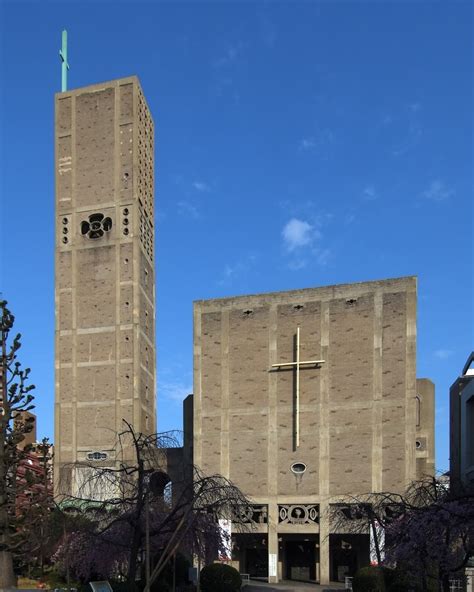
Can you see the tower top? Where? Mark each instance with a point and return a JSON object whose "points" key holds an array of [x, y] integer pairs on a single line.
{"points": [[64, 62]]}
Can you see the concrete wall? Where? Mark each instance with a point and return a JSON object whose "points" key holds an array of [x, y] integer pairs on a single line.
{"points": [[105, 286], [357, 415], [357, 425], [425, 421]]}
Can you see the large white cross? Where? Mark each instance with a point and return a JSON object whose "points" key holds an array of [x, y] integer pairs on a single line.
{"points": [[297, 364]]}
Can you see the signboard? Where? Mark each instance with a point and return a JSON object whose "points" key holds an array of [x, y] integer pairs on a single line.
{"points": [[102, 586], [226, 537], [272, 565], [193, 575]]}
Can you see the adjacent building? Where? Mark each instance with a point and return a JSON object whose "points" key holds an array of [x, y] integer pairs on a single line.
{"points": [[34, 471], [461, 470], [105, 279], [302, 398]]}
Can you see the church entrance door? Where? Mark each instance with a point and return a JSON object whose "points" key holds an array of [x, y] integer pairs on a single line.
{"points": [[300, 560], [348, 552], [257, 562]]}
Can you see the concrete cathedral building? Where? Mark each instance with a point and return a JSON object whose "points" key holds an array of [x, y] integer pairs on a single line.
{"points": [[105, 279], [302, 398]]}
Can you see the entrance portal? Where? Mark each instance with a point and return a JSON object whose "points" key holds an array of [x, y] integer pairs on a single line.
{"points": [[256, 562], [299, 557], [348, 552], [300, 561], [251, 552]]}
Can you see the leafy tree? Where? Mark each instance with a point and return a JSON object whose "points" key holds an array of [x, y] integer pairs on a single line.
{"points": [[15, 397]]}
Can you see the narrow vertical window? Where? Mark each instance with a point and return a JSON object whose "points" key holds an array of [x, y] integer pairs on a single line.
{"points": [[418, 410]]}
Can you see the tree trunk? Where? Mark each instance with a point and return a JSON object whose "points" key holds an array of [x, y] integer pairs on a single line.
{"points": [[7, 577], [445, 583]]}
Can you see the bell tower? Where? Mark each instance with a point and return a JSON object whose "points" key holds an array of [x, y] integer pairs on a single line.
{"points": [[105, 280]]}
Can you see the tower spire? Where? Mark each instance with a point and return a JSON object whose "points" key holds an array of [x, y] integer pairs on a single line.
{"points": [[64, 62]]}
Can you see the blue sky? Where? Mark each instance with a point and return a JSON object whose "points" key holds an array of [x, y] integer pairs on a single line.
{"points": [[297, 144]]}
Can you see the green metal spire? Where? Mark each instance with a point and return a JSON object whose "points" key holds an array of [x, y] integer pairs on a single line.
{"points": [[64, 64]]}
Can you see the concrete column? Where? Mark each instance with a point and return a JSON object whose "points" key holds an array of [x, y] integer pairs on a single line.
{"points": [[377, 442], [225, 445], [272, 543], [324, 572], [324, 443], [470, 579]]}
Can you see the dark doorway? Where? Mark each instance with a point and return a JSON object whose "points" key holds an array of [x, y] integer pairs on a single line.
{"points": [[256, 562], [300, 560], [347, 553]]}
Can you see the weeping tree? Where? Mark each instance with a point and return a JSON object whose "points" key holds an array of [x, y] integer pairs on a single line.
{"points": [[137, 513], [15, 398], [427, 532]]}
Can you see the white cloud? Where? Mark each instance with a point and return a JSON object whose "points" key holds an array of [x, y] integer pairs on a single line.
{"points": [[321, 142], [438, 191], [443, 354], [369, 193], [185, 207], [414, 130], [231, 54], [201, 186], [307, 143], [323, 256], [237, 269], [175, 391], [297, 264], [269, 32], [298, 233]]}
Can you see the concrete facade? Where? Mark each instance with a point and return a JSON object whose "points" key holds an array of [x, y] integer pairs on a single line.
{"points": [[461, 453], [355, 414], [105, 284], [425, 419]]}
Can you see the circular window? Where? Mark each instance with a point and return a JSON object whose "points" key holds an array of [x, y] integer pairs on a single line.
{"points": [[298, 468], [125, 211], [418, 444], [64, 239], [65, 220]]}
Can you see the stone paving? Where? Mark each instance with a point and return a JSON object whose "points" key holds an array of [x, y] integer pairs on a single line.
{"points": [[289, 586]]}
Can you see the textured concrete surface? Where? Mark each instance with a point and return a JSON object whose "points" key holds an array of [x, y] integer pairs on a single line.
{"points": [[358, 421], [105, 285]]}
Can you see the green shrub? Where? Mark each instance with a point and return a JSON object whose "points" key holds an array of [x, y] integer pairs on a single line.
{"points": [[382, 579], [368, 579], [219, 577]]}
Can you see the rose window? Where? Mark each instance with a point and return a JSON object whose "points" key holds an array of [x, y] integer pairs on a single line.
{"points": [[96, 226]]}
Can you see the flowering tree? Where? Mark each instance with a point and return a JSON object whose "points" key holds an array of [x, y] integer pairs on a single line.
{"points": [[139, 510], [435, 540], [428, 532]]}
